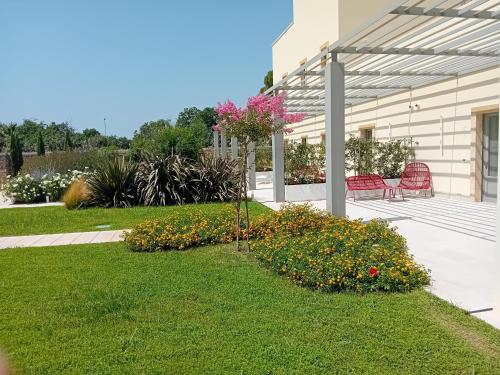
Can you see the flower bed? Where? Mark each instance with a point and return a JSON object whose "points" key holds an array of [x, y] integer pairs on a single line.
{"points": [[182, 232], [312, 248]]}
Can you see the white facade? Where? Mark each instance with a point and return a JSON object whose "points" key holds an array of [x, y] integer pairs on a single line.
{"points": [[443, 119]]}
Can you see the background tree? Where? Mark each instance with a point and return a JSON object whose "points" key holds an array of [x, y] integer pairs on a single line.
{"points": [[55, 135], [210, 117], [3, 136], [40, 147], [28, 133], [187, 116], [16, 151], [68, 142], [268, 82]]}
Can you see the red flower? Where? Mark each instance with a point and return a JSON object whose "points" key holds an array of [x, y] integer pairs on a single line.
{"points": [[373, 272]]}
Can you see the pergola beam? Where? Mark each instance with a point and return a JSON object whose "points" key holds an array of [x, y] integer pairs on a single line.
{"points": [[452, 13], [413, 52], [355, 73], [304, 105], [353, 87], [301, 88]]}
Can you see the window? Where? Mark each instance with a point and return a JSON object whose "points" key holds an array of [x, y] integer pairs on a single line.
{"points": [[366, 134], [303, 140]]}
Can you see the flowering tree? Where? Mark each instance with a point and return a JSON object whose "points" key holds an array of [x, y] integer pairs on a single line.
{"points": [[258, 121]]}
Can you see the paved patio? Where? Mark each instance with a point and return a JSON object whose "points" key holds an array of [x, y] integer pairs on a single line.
{"points": [[455, 239]]}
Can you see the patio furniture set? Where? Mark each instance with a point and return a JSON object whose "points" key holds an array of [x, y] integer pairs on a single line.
{"points": [[416, 177]]}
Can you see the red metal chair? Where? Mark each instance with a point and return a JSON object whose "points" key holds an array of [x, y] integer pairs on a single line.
{"points": [[367, 182], [416, 176]]}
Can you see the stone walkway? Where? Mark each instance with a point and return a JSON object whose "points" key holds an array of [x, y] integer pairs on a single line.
{"points": [[61, 239]]}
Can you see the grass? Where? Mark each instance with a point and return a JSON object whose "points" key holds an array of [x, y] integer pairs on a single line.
{"points": [[100, 309], [44, 220]]}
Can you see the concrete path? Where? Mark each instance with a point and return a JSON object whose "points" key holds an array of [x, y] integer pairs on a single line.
{"points": [[61, 239], [7, 203]]}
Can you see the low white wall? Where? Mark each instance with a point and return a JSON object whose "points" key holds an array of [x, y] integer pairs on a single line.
{"points": [[317, 192]]}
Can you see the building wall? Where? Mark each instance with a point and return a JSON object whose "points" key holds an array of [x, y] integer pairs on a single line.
{"points": [[457, 105], [317, 23], [453, 152]]}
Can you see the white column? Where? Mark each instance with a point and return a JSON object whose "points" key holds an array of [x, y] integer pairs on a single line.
{"points": [[335, 137], [498, 192], [216, 144], [223, 144], [234, 148], [252, 181], [278, 167]]}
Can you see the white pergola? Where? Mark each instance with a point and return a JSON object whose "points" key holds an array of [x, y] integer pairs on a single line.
{"points": [[409, 44]]}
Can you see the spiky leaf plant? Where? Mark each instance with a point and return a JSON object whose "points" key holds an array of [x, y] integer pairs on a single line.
{"points": [[163, 181], [217, 178], [113, 184]]}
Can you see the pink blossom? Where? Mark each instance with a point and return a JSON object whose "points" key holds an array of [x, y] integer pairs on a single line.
{"points": [[229, 111], [291, 118], [260, 103], [216, 128], [276, 105], [287, 130]]}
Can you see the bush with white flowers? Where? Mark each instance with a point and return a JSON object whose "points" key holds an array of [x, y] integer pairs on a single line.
{"points": [[26, 189]]}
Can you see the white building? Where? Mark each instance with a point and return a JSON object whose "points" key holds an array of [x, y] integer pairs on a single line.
{"points": [[448, 105]]}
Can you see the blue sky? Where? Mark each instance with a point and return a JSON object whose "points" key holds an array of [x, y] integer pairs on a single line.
{"points": [[131, 61]]}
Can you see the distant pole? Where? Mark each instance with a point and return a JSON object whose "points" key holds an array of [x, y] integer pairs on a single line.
{"points": [[105, 128]]}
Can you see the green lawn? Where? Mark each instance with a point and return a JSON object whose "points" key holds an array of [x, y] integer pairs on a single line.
{"points": [[100, 309], [42, 220]]}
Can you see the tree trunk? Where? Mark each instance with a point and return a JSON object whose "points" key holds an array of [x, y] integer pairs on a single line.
{"points": [[245, 194]]}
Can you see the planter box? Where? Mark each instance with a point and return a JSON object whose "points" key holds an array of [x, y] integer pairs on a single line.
{"points": [[302, 193], [317, 192]]}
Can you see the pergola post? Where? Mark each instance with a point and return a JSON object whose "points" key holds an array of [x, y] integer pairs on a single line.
{"points": [[498, 196], [278, 167], [335, 137], [216, 144], [252, 181], [223, 144], [234, 148]]}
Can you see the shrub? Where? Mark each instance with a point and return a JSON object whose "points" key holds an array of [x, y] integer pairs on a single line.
{"points": [[360, 155], [29, 189], [336, 254], [55, 186], [304, 163], [263, 158], [216, 179], [113, 184], [180, 232], [77, 195], [385, 158], [23, 189], [392, 156], [165, 181], [162, 138]]}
